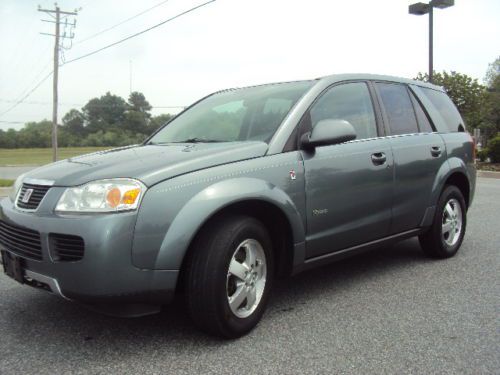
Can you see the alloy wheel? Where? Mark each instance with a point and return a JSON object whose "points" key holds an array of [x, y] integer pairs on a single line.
{"points": [[246, 278]]}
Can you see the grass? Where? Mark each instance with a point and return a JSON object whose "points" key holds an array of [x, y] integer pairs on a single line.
{"points": [[6, 183], [40, 156], [493, 167]]}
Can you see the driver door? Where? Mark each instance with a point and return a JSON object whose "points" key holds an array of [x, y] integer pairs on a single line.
{"points": [[348, 185]]}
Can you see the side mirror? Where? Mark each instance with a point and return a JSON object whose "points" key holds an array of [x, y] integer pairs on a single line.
{"points": [[328, 132]]}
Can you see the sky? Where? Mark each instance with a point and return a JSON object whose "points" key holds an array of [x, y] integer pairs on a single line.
{"points": [[227, 43]]}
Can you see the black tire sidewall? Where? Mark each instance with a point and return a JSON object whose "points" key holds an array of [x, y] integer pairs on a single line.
{"points": [[445, 250], [241, 229]]}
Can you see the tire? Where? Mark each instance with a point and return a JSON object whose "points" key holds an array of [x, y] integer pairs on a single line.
{"points": [[440, 241], [222, 299]]}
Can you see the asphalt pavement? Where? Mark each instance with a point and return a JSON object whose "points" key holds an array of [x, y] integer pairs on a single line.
{"points": [[391, 311]]}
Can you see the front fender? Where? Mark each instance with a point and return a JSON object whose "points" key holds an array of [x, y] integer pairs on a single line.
{"points": [[204, 205]]}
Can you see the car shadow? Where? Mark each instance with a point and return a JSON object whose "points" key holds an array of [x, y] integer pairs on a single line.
{"points": [[50, 322], [342, 275]]}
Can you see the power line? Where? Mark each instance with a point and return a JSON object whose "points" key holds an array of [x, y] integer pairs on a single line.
{"points": [[34, 80], [106, 47], [20, 52], [140, 32], [13, 122], [26, 96], [82, 105], [119, 24]]}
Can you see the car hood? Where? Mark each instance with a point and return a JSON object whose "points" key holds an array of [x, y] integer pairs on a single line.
{"points": [[148, 163]]}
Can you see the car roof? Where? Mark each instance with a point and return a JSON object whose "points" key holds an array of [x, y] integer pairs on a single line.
{"points": [[376, 77], [331, 79]]}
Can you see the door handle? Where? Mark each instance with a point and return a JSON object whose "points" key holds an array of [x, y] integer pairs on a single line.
{"points": [[436, 151], [378, 158]]}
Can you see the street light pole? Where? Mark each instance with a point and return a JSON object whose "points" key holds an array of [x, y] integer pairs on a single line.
{"points": [[419, 9], [431, 43]]}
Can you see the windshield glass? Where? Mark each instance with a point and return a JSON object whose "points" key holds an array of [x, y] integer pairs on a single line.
{"points": [[252, 113]]}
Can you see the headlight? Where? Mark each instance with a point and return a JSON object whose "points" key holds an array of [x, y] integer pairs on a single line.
{"points": [[102, 196], [15, 188]]}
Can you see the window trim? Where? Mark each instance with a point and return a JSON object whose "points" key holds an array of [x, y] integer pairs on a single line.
{"points": [[384, 112], [414, 98], [293, 142], [461, 125]]}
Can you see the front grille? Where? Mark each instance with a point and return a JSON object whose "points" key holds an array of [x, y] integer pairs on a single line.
{"points": [[21, 241], [37, 194], [66, 248]]}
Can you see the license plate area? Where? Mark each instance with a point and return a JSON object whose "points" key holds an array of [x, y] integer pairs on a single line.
{"points": [[13, 266]]}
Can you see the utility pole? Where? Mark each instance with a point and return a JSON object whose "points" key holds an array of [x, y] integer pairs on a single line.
{"points": [[130, 76], [431, 43], [57, 47]]}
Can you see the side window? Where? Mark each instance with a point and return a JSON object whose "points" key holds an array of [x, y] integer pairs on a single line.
{"points": [[423, 121], [447, 109], [398, 108], [350, 102]]}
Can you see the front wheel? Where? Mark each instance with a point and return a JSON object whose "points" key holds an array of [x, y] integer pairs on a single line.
{"points": [[229, 276], [448, 228]]}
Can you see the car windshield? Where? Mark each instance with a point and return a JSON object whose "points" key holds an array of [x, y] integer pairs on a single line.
{"points": [[252, 113]]}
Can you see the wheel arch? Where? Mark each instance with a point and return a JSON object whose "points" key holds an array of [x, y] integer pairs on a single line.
{"points": [[453, 172], [271, 216], [460, 180], [249, 196]]}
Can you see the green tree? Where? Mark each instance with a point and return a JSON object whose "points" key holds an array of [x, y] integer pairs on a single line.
{"points": [[8, 139], [104, 113], [74, 122], [35, 134], [494, 149], [137, 102], [158, 121], [492, 108], [467, 93], [492, 72], [137, 115]]}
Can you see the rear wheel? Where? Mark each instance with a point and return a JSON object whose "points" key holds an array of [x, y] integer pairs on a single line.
{"points": [[448, 229], [229, 276]]}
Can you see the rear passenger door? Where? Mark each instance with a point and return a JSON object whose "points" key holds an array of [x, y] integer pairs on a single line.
{"points": [[418, 153]]}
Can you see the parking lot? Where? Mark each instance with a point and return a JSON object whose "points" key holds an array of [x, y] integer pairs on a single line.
{"points": [[391, 311]]}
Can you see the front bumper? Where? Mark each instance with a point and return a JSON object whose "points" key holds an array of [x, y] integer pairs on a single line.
{"points": [[106, 273]]}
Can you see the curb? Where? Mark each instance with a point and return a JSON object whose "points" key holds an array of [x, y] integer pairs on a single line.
{"points": [[488, 174]]}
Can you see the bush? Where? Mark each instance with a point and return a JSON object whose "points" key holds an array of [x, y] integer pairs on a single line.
{"points": [[494, 149], [482, 155]]}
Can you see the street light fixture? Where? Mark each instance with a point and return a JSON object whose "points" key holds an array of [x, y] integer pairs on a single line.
{"points": [[420, 9]]}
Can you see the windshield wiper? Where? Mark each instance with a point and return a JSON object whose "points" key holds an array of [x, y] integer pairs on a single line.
{"points": [[189, 140], [157, 143], [199, 140]]}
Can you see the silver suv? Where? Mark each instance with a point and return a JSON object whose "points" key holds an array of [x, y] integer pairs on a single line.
{"points": [[244, 186]]}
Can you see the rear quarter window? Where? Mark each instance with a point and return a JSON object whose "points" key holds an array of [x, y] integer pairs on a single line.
{"points": [[446, 108]]}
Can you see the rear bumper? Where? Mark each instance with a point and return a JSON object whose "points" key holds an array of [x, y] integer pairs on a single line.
{"points": [[105, 274]]}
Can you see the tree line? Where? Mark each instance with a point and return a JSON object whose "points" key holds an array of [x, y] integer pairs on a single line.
{"points": [[111, 121], [478, 104], [105, 121]]}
